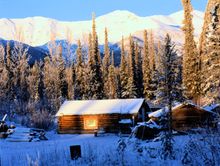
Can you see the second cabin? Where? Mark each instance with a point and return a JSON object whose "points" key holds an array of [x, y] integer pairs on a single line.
{"points": [[87, 116]]}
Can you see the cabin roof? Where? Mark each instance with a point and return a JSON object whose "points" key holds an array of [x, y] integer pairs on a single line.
{"points": [[92, 107], [211, 107], [165, 110]]}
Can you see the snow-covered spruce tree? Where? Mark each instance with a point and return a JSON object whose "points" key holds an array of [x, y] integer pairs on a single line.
{"points": [[152, 53], [132, 77], [161, 95], [167, 93], [95, 83], [112, 82], [159, 56], [123, 72], [191, 59], [87, 79], [79, 82], [139, 73], [149, 71], [146, 68], [207, 21], [212, 62], [154, 73], [106, 64], [62, 73]]}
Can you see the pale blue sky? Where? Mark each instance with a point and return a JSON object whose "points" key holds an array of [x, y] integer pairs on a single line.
{"points": [[72, 10]]}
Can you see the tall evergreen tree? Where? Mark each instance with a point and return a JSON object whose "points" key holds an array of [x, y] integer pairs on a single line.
{"points": [[106, 59], [139, 73], [112, 84], [169, 64], [62, 74], [211, 71], [149, 71], [152, 53], [191, 60], [146, 68], [131, 86], [167, 93], [106, 64], [207, 20], [96, 85], [79, 82], [123, 73]]}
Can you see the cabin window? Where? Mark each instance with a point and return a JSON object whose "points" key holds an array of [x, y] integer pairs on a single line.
{"points": [[90, 123]]}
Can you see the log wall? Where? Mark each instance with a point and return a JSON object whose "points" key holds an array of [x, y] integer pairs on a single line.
{"points": [[74, 124]]}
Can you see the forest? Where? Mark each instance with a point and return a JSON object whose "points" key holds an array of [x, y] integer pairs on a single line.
{"points": [[157, 72]]}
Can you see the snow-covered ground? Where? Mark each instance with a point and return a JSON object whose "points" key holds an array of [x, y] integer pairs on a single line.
{"points": [[101, 150]]}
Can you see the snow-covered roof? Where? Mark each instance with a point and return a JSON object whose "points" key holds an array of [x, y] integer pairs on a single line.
{"points": [[151, 124], [92, 107], [211, 107], [165, 110], [158, 113]]}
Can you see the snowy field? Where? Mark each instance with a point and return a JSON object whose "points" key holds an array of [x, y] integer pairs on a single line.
{"points": [[101, 150]]}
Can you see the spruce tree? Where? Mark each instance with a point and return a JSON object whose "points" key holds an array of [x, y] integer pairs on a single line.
{"points": [[139, 73], [152, 53], [191, 60], [207, 20], [167, 93], [106, 64], [62, 74], [131, 86], [146, 68], [79, 82], [149, 77], [211, 70], [123, 73], [95, 84], [112, 80]]}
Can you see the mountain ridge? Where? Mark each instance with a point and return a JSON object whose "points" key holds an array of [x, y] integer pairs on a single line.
{"points": [[37, 30]]}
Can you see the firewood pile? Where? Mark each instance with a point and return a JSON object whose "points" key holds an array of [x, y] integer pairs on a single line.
{"points": [[20, 134]]}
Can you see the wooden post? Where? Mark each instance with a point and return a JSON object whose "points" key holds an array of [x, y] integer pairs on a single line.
{"points": [[75, 152]]}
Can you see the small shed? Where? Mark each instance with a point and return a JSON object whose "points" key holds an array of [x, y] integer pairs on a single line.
{"points": [[186, 116], [86, 116]]}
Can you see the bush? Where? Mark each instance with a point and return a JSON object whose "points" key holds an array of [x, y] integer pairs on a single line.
{"points": [[203, 150], [42, 119]]}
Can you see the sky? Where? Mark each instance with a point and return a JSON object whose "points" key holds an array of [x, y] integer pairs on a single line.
{"points": [[75, 10]]}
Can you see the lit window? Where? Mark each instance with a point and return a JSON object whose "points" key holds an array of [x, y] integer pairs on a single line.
{"points": [[90, 123]]}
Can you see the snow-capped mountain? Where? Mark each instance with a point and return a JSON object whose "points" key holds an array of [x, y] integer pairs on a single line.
{"points": [[36, 31]]}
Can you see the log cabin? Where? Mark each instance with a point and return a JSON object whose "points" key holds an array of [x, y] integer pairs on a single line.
{"points": [[87, 116], [186, 116]]}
